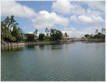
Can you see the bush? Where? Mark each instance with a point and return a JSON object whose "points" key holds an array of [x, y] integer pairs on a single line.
{"points": [[41, 37]]}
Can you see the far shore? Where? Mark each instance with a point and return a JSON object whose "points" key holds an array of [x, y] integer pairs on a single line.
{"points": [[12, 45]]}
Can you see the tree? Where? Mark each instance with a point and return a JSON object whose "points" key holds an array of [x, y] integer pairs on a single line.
{"points": [[99, 36], [29, 37], [87, 36], [96, 31], [6, 30], [17, 33], [41, 37], [10, 30], [55, 35], [65, 34], [36, 31], [35, 34], [47, 31]]}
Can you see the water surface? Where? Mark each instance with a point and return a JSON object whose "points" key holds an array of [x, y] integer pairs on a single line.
{"points": [[66, 62]]}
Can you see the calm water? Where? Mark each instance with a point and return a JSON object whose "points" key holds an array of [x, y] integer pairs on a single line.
{"points": [[67, 62]]}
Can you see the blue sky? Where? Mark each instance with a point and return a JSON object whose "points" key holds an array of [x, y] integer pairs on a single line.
{"points": [[36, 6], [75, 18]]}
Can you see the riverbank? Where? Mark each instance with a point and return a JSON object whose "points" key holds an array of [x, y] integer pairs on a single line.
{"points": [[8, 45], [94, 40]]}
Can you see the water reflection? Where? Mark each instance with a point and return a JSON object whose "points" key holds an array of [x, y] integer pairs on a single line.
{"points": [[71, 62], [13, 49], [30, 46], [56, 46], [41, 47]]}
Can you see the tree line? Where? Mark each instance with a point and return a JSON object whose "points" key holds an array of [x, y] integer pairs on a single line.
{"points": [[98, 35], [11, 32]]}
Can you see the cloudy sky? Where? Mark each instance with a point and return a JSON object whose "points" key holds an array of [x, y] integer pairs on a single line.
{"points": [[74, 17]]}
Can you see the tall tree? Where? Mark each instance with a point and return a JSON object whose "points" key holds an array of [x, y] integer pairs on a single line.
{"points": [[47, 31], [36, 31], [17, 33], [35, 34], [41, 37], [29, 37], [65, 34], [55, 35], [96, 31], [10, 30]]}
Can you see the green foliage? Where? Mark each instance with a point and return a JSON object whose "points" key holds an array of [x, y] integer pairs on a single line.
{"points": [[47, 31], [36, 31], [41, 37], [96, 36], [99, 36], [35, 34], [55, 35], [29, 37], [10, 31], [17, 33], [87, 36], [65, 35]]}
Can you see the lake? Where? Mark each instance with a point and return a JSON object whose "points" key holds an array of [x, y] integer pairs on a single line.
{"points": [[64, 62]]}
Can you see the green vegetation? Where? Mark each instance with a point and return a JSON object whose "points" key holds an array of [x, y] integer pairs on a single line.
{"points": [[41, 37], [29, 37], [10, 32], [55, 35], [97, 36]]}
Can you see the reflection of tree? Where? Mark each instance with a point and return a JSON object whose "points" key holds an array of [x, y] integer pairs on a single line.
{"points": [[56, 47], [14, 49], [31, 46], [41, 46]]}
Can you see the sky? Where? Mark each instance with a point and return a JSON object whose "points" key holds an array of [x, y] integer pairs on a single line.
{"points": [[74, 17]]}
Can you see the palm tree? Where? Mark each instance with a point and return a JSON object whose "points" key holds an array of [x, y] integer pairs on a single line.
{"points": [[65, 35], [47, 31], [35, 33], [96, 31], [10, 30]]}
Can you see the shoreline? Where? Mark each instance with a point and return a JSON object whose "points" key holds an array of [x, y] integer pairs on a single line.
{"points": [[12, 45]]}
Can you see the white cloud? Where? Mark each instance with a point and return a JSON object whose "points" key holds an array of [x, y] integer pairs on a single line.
{"points": [[70, 7], [93, 12], [62, 6], [42, 19], [74, 32], [90, 19], [74, 18], [97, 5], [45, 19], [97, 19], [12, 7], [77, 9], [85, 19], [67, 7]]}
